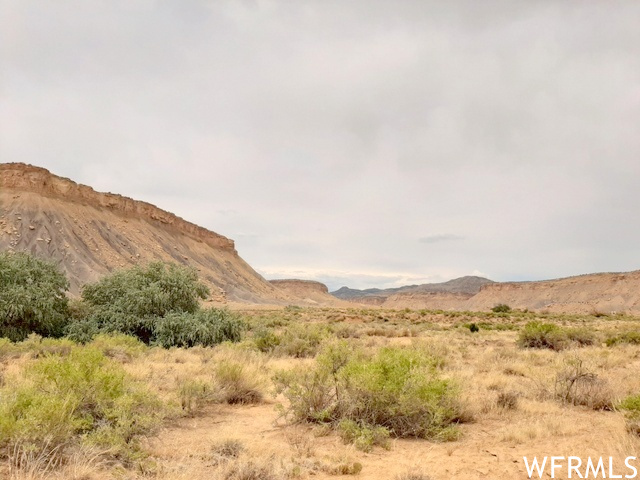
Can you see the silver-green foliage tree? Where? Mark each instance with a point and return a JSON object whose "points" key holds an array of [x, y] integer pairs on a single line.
{"points": [[132, 301], [32, 297], [158, 303]]}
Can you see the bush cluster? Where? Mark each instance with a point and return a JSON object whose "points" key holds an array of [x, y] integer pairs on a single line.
{"points": [[157, 303], [80, 397], [547, 335], [631, 338], [396, 389]]}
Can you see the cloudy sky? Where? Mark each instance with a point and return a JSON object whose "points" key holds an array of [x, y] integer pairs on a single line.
{"points": [[362, 143]]}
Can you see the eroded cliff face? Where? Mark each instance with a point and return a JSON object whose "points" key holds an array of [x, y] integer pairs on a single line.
{"points": [[89, 234], [28, 178]]}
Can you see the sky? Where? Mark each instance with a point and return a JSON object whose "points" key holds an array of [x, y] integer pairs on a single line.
{"points": [[362, 143]]}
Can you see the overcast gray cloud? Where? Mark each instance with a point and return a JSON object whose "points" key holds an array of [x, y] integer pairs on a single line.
{"points": [[351, 142]]}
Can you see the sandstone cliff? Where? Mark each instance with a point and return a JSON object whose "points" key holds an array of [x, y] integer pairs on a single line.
{"points": [[308, 291], [90, 233]]}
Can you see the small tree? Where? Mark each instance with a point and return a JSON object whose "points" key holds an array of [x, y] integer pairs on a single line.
{"points": [[32, 297], [132, 301]]}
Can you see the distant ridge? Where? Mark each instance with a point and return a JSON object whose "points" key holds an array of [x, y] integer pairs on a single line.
{"points": [[468, 285], [587, 293]]}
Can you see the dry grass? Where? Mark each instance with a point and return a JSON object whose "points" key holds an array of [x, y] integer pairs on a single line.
{"points": [[524, 401]]}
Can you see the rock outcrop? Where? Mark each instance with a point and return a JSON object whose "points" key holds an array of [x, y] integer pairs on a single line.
{"points": [[309, 291], [90, 233]]}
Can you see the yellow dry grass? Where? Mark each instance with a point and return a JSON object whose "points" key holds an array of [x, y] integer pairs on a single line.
{"points": [[487, 365]]}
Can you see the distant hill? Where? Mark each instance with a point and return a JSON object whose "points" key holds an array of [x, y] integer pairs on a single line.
{"points": [[596, 292], [466, 286]]}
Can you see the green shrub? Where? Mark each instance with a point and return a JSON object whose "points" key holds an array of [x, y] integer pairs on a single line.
{"points": [[547, 335], [631, 338], [80, 397], [363, 436], [205, 327], [130, 301], [266, 340], [32, 297], [301, 340], [398, 389], [501, 308], [157, 304], [631, 405], [119, 346], [542, 335], [37, 346]]}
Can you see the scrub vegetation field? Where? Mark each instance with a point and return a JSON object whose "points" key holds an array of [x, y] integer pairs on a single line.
{"points": [[137, 379]]}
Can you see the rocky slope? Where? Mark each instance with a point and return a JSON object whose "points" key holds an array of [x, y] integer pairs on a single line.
{"points": [[89, 233]]}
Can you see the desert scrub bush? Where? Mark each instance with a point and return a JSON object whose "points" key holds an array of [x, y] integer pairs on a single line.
{"points": [[363, 436], [501, 308], [301, 340], [630, 338], [575, 384], [265, 340], [118, 346], [32, 297], [581, 336], [237, 382], [542, 335], [547, 335], [35, 346], [252, 469], [83, 397], [399, 389], [229, 448], [205, 327], [193, 394], [631, 407], [507, 400]]}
